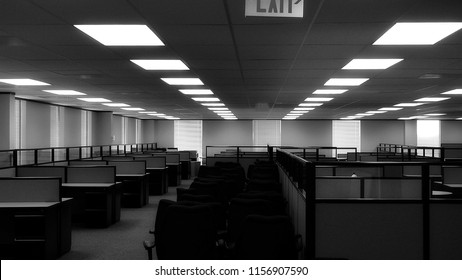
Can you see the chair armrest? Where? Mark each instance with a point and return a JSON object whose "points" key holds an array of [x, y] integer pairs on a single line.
{"points": [[148, 245]]}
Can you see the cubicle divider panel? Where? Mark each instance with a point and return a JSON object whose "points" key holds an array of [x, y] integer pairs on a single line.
{"points": [[172, 158], [91, 174], [153, 162], [42, 171], [8, 172], [129, 167], [339, 187], [369, 230], [87, 162], [30, 189], [118, 158], [393, 188], [362, 171], [446, 229], [452, 174]]}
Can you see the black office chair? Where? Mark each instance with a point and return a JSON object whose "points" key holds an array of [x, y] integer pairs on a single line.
{"points": [[266, 238], [187, 233], [160, 216]]}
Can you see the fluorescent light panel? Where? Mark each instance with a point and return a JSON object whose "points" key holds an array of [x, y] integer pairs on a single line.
{"points": [[116, 104], [435, 114], [206, 99], [160, 64], [376, 112], [23, 82], [330, 91], [418, 33], [65, 92], [310, 104], [371, 64], [318, 99], [100, 100], [431, 99], [345, 81], [408, 104], [196, 91], [454, 91], [121, 35], [149, 112], [390, 109], [133, 109], [213, 104], [219, 109], [182, 81]]}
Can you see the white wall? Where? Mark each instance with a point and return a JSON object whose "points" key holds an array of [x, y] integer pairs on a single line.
{"points": [[451, 132], [232, 133], [117, 129], [165, 133], [72, 127], [37, 123], [130, 130], [7, 121], [148, 128], [304, 133], [374, 132], [410, 133]]}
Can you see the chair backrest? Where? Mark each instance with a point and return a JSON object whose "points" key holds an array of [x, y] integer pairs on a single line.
{"points": [[186, 233], [266, 238]]}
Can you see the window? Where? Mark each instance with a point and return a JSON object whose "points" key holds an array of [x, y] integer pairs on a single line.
{"points": [[428, 135], [346, 134], [188, 135], [266, 132]]}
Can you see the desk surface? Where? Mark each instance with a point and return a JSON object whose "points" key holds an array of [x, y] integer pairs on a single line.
{"points": [[156, 168], [92, 185], [453, 185], [27, 204], [441, 193]]}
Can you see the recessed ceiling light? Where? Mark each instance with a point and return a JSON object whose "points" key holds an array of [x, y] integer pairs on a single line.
{"points": [[376, 112], [289, 118], [116, 104], [121, 35], [372, 64], [364, 114], [219, 109], [454, 91], [311, 104], [390, 109], [404, 118], [431, 99], [100, 100], [149, 112], [157, 115], [182, 81], [418, 117], [318, 99], [213, 104], [171, 118], [345, 81], [65, 92], [206, 99], [294, 114], [408, 104], [196, 91], [225, 114], [160, 64], [459, 119], [230, 118], [23, 82], [303, 109], [298, 112], [330, 91], [348, 118], [133, 109], [418, 33], [435, 114]]}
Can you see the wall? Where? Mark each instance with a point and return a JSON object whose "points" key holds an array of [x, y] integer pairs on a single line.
{"points": [[130, 130], [117, 129], [101, 128], [305, 133], [451, 132], [165, 133], [374, 132], [72, 127], [37, 131], [7, 120], [215, 133], [410, 133], [148, 127]]}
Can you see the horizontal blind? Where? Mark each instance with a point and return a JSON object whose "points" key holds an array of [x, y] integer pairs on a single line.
{"points": [[267, 132], [346, 134], [428, 135], [188, 135]]}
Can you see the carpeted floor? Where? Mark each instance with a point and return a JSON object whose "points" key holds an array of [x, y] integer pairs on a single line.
{"points": [[122, 240]]}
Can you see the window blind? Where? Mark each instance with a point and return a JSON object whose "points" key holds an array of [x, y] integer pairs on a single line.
{"points": [[266, 132], [346, 134], [428, 135], [188, 135]]}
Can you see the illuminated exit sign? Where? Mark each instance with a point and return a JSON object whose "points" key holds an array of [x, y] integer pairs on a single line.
{"points": [[274, 8]]}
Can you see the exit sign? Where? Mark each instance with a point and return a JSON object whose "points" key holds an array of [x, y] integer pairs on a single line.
{"points": [[274, 8]]}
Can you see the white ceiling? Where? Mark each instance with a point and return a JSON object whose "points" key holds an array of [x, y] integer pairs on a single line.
{"points": [[261, 68]]}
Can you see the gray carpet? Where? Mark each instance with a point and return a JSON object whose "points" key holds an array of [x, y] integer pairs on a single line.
{"points": [[122, 240]]}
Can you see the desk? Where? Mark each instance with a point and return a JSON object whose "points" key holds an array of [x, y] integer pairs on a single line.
{"points": [[158, 180], [174, 174], [454, 189], [185, 169], [35, 230], [135, 189], [96, 204]]}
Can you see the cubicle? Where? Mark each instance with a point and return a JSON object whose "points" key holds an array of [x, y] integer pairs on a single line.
{"points": [[36, 220], [135, 188]]}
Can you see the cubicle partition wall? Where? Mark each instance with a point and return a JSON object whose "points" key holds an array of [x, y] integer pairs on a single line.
{"points": [[374, 216]]}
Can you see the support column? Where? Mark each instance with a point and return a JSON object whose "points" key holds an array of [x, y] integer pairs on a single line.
{"points": [[7, 121], [102, 128]]}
